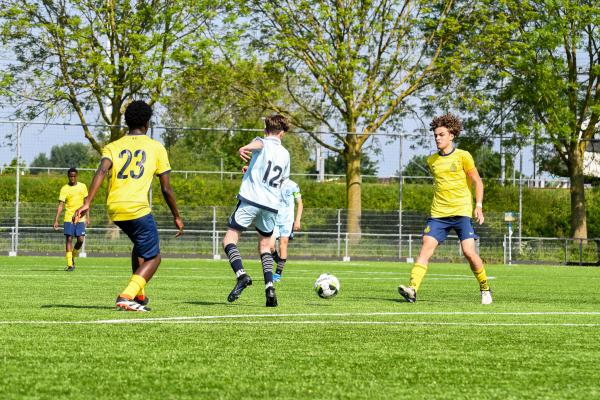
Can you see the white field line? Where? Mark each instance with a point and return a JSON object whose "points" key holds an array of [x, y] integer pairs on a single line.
{"points": [[268, 319]]}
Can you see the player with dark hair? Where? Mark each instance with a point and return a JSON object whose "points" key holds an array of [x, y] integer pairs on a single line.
{"points": [[132, 162], [259, 201], [453, 171], [71, 197]]}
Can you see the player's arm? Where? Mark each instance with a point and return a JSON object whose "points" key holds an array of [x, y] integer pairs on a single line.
{"points": [[246, 151], [476, 181], [101, 172], [88, 219], [169, 195], [61, 205], [299, 209]]}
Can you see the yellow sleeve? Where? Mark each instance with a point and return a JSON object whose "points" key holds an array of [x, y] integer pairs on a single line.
{"points": [[62, 196], [107, 153], [467, 161], [162, 160]]}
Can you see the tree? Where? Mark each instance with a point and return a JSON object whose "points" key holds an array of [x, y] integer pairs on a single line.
{"points": [[210, 96], [335, 164], [541, 59], [352, 66], [65, 156], [82, 57]]}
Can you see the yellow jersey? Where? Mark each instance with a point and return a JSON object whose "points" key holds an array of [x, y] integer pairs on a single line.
{"points": [[452, 195], [136, 159], [73, 197]]}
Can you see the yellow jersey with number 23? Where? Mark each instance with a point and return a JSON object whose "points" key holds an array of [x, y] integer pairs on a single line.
{"points": [[136, 159], [452, 196]]}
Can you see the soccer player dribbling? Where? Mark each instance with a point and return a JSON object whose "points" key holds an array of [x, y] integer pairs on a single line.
{"points": [[71, 197], [132, 162], [453, 171], [259, 200]]}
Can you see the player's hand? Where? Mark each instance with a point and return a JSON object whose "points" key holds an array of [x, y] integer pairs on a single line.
{"points": [[478, 215], [179, 225], [244, 169], [88, 223], [80, 213], [296, 226], [55, 225], [245, 154]]}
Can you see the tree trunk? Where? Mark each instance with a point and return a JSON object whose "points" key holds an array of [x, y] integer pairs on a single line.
{"points": [[352, 155], [578, 207]]}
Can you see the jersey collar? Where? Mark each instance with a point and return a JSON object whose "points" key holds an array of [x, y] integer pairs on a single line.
{"points": [[446, 155]]}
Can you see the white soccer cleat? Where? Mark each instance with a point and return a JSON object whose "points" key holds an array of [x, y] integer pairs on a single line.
{"points": [[486, 297]]}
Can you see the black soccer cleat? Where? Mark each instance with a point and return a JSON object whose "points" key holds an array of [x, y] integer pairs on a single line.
{"points": [[271, 297], [143, 302], [70, 269], [242, 283]]}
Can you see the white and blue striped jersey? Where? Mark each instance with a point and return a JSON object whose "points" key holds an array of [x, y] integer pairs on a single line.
{"points": [[269, 167], [290, 191]]}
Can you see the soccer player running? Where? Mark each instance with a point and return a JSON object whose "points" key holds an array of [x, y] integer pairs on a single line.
{"points": [[453, 170], [71, 197], [259, 201], [132, 162], [286, 224]]}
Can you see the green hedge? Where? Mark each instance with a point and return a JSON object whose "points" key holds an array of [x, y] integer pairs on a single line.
{"points": [[545, 211]]}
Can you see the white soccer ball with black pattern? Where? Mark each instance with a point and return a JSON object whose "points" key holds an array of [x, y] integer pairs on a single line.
{"points": [[327, 286]]}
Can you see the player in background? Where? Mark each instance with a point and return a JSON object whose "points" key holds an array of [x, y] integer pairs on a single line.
{"points": [[286, 224], [453, 171], [132, 162], [258, 202], [71, 197]]}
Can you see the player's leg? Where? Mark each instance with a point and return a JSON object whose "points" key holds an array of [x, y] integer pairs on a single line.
{"points": [[80, 234], [476, 263], [136, 262], [435, 232], [265, 224], [68, 229], [146, 245], [283, 254], [466, 234], [240, 219]]}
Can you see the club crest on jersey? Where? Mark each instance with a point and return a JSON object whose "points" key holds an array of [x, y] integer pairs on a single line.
{"points": [[453, 167]]}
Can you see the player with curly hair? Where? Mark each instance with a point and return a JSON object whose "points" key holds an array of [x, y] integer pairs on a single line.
{"points": [[133, 161], [454, 173]]}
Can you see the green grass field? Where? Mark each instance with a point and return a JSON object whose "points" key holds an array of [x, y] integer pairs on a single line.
{"points": [[60, 336]]}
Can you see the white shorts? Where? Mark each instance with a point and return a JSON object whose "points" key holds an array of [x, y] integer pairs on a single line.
{"points": [[244, 214]]}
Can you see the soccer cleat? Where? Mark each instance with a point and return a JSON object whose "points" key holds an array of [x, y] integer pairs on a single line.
{"points": [[276, 277], [486, 297], [243, 281], [143, 302], [271, 297], [409, 294], [130, 305], [70, 269]]}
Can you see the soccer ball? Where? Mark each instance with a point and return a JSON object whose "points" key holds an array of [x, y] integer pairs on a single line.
{"points": [[327, 286]]}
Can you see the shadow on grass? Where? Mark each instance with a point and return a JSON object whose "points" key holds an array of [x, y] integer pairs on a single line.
{"points": [[207, 303], [74, 306]]}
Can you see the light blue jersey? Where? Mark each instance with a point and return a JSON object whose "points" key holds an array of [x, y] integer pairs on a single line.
{"points": [[289, 193], [269, 167]]}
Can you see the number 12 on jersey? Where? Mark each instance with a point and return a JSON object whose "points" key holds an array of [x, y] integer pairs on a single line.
{"points": [[275, 171]]}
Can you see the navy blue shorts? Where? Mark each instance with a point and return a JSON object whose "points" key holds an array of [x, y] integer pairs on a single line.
{"points": [[71, 229], [143, 234], [439, 228]]}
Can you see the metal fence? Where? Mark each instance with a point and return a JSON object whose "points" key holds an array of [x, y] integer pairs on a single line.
{"points": [[324, 236]]}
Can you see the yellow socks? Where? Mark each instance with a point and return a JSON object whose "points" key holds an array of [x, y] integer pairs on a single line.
{"points": [[136, 285], [69, 258], [482, 279], [416, 275], [75, 253]]}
